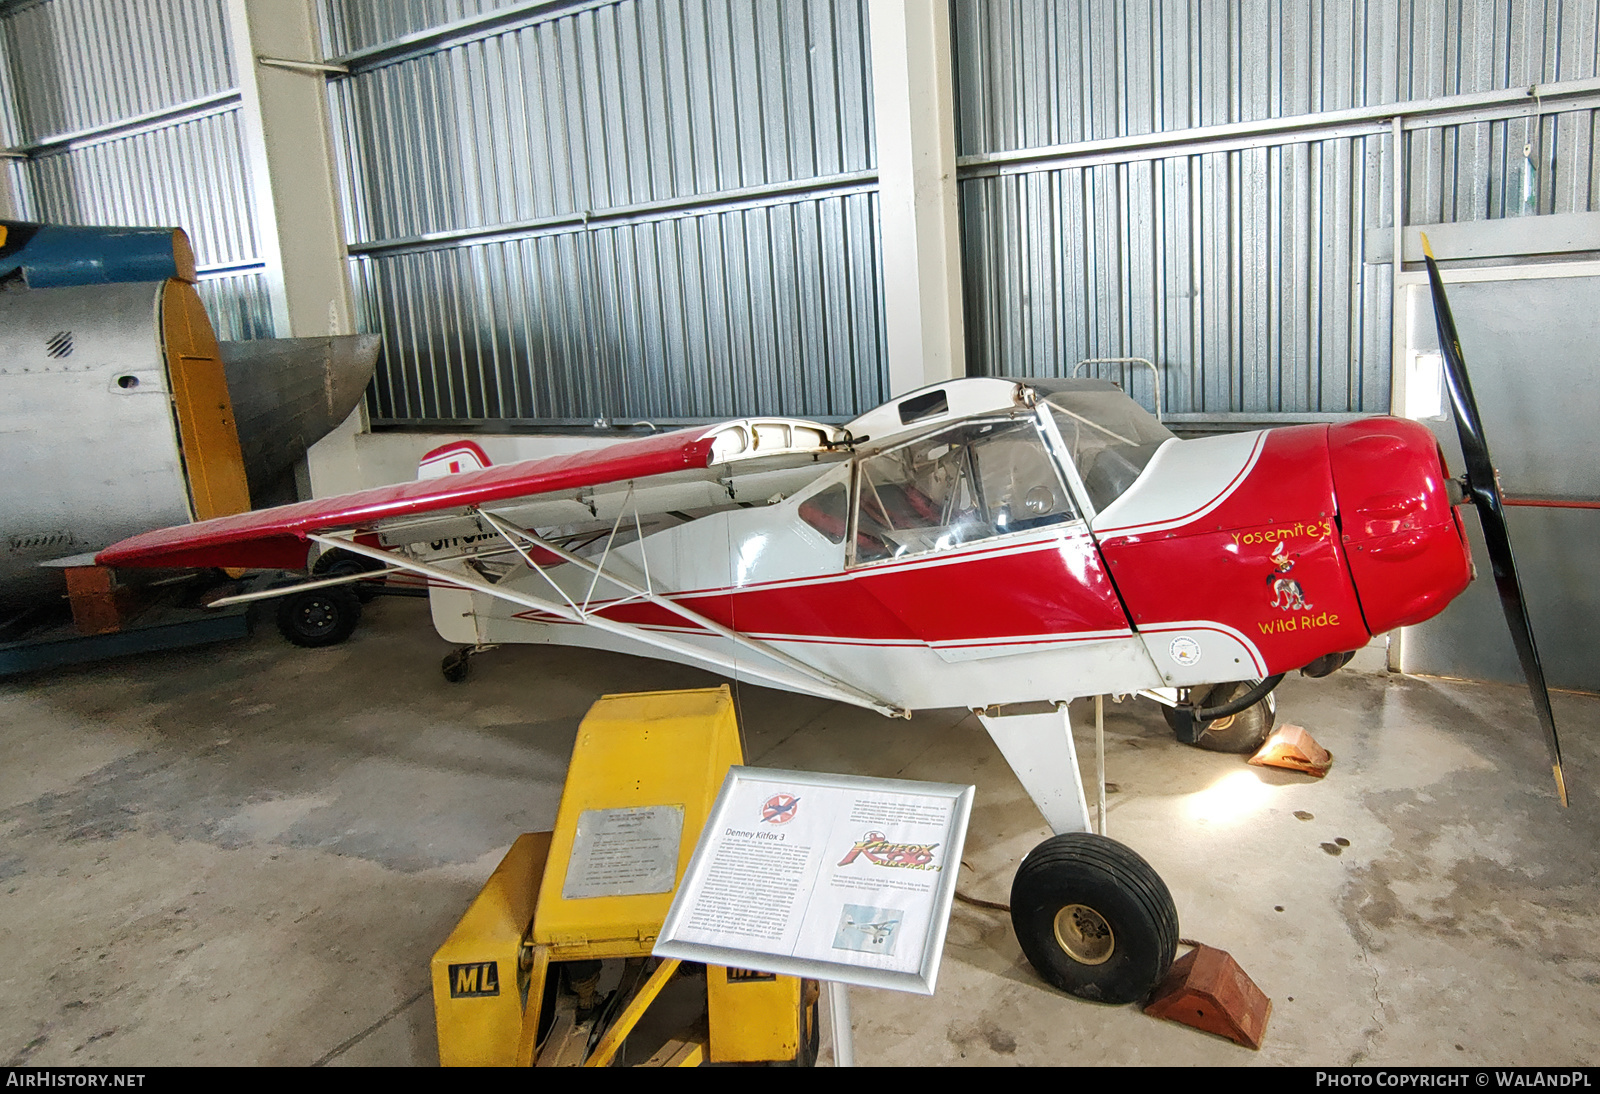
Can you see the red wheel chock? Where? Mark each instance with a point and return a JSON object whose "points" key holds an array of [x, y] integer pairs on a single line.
{"points": [[1207, 989]]}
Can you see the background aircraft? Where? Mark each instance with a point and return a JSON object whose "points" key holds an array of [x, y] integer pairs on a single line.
{"points": [[119, 409]]}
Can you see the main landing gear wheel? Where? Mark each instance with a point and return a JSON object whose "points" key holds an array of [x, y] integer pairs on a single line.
{"points": [[1094, 918], [319, 617], [1242, 732]]}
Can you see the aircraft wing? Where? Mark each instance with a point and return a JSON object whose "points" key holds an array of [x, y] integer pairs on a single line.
{"points": [[685, 469]]}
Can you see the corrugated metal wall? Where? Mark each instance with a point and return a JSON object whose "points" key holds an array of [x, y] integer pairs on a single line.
{"points": [[636, 209], [127, 114], [626, 209], [350, 26], [1237, 261]]}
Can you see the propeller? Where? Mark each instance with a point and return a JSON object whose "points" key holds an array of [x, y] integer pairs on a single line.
{"points": [[1483, 487]]}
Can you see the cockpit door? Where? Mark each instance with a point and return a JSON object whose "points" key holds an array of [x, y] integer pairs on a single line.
{"points": [[970, 535]]}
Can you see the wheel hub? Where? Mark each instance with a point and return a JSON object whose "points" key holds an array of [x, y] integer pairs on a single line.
{"points": [[317, 616], [1084, 934]]}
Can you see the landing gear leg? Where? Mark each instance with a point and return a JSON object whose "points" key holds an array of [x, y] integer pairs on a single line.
{"points": [[1091, 916]]}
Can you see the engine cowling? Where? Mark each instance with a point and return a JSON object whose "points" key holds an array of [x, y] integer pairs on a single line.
{"points": [[1403, 540]]}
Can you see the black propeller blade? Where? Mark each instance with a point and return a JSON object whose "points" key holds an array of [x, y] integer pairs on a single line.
{"points": [[1484, 489]]}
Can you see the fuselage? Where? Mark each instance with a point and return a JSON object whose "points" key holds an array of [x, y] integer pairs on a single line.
{"points": [[89, 438], [1009, 551]]}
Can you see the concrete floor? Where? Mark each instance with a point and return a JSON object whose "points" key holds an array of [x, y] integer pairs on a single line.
{"points": [[247, 854]]}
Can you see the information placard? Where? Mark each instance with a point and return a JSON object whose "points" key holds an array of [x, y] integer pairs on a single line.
{"points": [[837, 877]]}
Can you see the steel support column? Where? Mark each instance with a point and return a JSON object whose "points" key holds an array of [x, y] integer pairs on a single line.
{"points": [[8, 199], [284, 126], [914, 113]]}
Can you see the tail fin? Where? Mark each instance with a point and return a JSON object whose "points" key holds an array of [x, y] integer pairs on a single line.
{"points": [[452, 459]]}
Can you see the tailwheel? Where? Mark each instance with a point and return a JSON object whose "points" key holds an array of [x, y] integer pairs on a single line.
{"points": [[1094, 918], [456, 664]]}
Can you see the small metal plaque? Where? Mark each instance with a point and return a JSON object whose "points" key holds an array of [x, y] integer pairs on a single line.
{"points": [[624, 852], [474, 980]]}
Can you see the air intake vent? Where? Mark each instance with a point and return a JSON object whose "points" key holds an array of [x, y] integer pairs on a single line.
{"points": [[59, 344], [39, 541]]}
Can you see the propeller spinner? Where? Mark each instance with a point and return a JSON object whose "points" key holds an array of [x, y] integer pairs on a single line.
{"points": [[1483, 488]]}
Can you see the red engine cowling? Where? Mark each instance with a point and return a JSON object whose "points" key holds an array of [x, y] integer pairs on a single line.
{"points": [[1403, 541]]}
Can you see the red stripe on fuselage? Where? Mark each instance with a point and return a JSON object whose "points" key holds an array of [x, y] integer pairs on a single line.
{"points": [[1026, 592]]}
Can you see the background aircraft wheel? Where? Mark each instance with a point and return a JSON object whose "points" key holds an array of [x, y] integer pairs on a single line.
{"points": [[1094, 918], [1242, 732], [319, 617], [337, 563]]}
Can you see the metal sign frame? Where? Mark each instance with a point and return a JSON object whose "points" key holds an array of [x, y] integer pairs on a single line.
{"points": [[810, 912]]}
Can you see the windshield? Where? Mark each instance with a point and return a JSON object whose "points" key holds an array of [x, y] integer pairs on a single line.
{"points": [[974, 481], [1109, 437]]}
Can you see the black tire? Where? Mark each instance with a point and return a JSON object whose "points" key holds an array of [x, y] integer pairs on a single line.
{"points": [[457, 664], [1094, 918], [337, 563], [1242, 732], [319, 617]]}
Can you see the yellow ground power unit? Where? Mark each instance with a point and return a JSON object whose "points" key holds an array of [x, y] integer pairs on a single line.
{"points": [[551, 963]]}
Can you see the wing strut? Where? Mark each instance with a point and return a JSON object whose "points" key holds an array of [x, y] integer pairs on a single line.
{"points": [[285, 590], [508, 531], [804, 678]]}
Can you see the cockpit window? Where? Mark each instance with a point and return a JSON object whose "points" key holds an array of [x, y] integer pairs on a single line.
{"points": [[828, 511], [974, 481], [1110, 438]]}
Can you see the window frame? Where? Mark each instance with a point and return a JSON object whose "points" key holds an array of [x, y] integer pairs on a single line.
{"points": [[1065, 464]]}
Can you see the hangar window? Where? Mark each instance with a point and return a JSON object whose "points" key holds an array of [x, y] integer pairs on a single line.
{"points": [[974, 481], [1109, 437]]}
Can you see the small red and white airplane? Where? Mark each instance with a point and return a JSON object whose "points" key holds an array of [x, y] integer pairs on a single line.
{"points": [[981, 543]]}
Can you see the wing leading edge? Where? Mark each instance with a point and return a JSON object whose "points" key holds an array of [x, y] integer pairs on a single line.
{"points": [[278, 538]]}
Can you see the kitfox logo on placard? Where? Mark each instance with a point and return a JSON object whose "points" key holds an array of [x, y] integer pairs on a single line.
{"points": [[879, 851], [474, 979], [779, 809]]}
